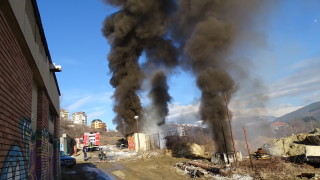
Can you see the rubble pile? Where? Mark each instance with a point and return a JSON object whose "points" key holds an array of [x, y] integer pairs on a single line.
{"points": [[204, 169], [294, 145], [201, 169]]}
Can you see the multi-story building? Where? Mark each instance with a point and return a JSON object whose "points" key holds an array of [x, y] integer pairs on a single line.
{"points": [[29, 96], [79, 118], [98, 124], [64, 114]]}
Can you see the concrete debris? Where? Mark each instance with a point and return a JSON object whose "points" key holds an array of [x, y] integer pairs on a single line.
{"points": [[312, 154], [191, 170], [225, 158], [294, 145]]}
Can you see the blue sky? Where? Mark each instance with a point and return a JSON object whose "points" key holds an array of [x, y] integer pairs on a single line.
{"points": [[288, 66]]}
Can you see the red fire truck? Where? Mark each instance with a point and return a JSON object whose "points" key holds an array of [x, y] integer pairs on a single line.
{"points": [[90, 140]]}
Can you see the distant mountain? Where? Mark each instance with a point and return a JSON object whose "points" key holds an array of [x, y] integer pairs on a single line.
{"points": [[307, 113], [247, 120]]}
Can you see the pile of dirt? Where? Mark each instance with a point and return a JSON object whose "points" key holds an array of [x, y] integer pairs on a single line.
{"points": [[189, 150], [293, 145]]}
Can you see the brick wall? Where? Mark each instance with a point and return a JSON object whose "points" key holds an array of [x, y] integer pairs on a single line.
{"points": [[23, 155], [42, 136], [15, 105], [56, 148]]}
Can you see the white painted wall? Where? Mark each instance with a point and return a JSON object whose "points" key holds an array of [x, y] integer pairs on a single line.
{"points": [[140, 142]]}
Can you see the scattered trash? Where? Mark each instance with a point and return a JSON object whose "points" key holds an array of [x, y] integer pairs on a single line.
{"points": [[195, 169], [191, 170], [261, 154]]}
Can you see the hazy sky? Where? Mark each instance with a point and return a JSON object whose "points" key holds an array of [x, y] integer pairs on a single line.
{"points": [[284, 68]]}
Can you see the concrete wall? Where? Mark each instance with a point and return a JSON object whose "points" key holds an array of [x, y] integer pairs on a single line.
{"points": [[144, 142], [35, 40], [140, 142], [29, 95], [67, 144]]}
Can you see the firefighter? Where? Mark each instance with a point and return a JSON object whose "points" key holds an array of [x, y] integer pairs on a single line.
{"points": [[84, 154], [102, 156]]}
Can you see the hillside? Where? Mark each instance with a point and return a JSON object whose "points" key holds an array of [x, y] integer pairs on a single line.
{"points": [[307, 113]]}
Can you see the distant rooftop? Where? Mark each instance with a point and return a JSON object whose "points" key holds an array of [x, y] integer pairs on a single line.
{"points": [[279, 124], [96, 120]]}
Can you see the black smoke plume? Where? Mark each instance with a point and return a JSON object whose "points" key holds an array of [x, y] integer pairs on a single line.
{"points": [[200, 33], [160, 96], [205, 31], [139, 25]]}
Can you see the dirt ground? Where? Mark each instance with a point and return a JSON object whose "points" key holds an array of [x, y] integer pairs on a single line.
{"points": [[274, 168], [126, 164], [159, 167]]}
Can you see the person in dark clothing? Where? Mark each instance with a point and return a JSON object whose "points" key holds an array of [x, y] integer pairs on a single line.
{"points": [[102, 156], [84, 154]]}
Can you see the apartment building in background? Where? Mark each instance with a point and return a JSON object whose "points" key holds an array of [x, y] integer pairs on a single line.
{"points": [[29, 96], [98, 124], [79, 118], [64, 115]]}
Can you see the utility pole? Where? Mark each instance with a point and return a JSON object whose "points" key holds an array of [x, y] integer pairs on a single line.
{"points": [[248, 148], [234, 146]]}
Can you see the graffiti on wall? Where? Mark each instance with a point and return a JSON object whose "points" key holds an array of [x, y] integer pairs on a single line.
{"points": [[14, 165], [56, 144], [20, 162], [43, 137], [30, 142]]}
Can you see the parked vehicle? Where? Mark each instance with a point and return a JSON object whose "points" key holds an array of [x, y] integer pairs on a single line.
{"points": [[122, 143], [67, 161], [90, 141]]}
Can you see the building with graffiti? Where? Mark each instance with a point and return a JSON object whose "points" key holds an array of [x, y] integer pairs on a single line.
{"points": [[29, 96]]}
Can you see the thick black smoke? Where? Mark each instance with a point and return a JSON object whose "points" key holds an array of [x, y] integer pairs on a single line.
{"points": [[160, 96], [205, 31], [199, 32], [139, 25]]}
